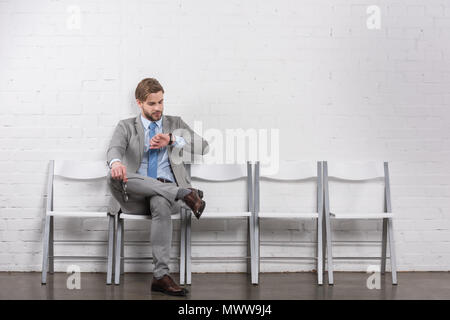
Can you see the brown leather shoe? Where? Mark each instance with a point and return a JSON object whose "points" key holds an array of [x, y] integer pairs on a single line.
{"points": [[199, 192], [168, 286], [194, 202]]}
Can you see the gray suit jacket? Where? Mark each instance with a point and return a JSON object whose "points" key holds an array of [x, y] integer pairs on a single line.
{"points": [[127, 144]]}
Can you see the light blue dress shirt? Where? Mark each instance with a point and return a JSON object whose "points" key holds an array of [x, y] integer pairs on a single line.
{"points": [[164, 169]]}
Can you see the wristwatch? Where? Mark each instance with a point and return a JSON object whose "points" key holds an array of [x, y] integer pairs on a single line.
{"points": [[170, 139]]}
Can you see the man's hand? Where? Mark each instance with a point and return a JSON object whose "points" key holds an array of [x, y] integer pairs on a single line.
{"points": [[119, 171], [159, 140]]}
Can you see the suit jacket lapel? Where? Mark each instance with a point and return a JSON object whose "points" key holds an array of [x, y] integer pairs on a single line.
{"points": [[140, 131], [166, 128], [166, 125]]}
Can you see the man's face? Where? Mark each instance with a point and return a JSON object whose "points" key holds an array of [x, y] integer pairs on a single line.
{"points": [[153, 107]]}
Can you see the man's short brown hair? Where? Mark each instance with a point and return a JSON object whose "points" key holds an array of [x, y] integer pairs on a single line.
{"points": [[147, 86]]}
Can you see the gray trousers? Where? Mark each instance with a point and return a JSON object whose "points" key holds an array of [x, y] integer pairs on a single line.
{"points": [[150, 196]]}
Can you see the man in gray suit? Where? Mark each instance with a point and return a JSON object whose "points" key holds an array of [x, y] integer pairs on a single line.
{"points": [[147, 174]]}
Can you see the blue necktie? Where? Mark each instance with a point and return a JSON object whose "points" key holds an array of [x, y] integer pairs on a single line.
{"points": [[152, 169]]}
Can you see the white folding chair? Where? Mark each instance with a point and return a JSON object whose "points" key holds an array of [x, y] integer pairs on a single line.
{"points": [[298, 171], [217, 173], [360, 171], [82, 171], [120, 243]]}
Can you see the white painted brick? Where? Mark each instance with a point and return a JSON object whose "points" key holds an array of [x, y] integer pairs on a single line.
{"points": [[22, 213], [25, 235], [29, 247], [23, 224]]}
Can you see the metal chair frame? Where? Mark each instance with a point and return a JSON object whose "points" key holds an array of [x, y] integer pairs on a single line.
{"points": [[221, 173], [120, 243], [360, 172], [74, 170], [294, 172]]}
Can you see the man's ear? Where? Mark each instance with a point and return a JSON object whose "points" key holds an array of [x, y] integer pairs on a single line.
{"points": [[139, 102]]}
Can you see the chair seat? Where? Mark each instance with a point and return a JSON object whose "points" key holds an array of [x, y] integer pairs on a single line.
{"points": [[132, 216], [223, 215], [287, 215], [361, 215], [78, 214]]}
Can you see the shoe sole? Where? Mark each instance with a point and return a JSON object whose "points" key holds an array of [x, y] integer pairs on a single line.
{"points": [[176, 294], [200, 210]]}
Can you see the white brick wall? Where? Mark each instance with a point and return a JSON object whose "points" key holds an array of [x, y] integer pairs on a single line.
{"points": [[336, 91]]}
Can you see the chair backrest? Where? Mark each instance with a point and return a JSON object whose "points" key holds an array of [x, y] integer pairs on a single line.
{"points": [[223, 173], [219, 172], [291, 171], [354, 170], [357, 171], [80, 170], [72, 169]]}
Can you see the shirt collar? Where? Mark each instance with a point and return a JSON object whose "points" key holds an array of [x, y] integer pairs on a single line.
{"points": [[146, 122]]}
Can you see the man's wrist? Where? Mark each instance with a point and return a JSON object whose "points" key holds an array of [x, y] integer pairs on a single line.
{"points": [[114, 161]]}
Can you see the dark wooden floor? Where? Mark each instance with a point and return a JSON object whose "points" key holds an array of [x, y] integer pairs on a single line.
{"points": [[215, 286]]}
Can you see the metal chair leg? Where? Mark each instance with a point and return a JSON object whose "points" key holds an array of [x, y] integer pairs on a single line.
{"points": [[319, 252], [188, 247], [122, 249], [249, 250], [384, 246], [118, 251], [45, 250], [257, 250], [392, 251], [182, 246], [110, 248], [324, 246], [51, 266], [329, 249], [252, 245]]}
